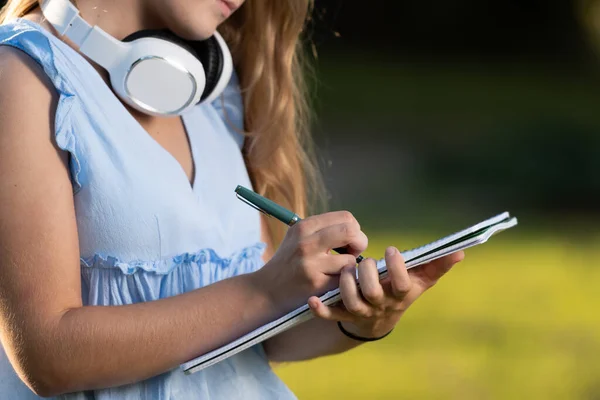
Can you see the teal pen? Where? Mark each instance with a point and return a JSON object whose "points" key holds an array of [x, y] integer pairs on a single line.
{"points": [[273, 209]]}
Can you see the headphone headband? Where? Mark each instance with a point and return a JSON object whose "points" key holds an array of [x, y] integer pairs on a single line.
{"points": [[64, 16], [91, 40], [159, 74]]}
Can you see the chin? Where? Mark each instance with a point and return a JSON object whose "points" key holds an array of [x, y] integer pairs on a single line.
{"points": [[196, 29], [194, 34]]}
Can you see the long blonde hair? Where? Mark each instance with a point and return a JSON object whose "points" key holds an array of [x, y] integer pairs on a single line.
{"points": [[589, 13], [265, 41]]}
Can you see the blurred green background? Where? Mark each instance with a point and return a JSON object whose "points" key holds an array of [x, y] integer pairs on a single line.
{"points": [[432, 116]]}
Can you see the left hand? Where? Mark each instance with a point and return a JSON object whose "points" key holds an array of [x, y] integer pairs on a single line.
{"points": [[375, 308]]}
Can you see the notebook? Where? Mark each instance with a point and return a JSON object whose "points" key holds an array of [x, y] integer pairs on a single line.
{"points": [[461, 240]]}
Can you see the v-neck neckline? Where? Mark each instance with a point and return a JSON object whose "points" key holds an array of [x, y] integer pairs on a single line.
{"points": [[190, 141], [143, 133]]}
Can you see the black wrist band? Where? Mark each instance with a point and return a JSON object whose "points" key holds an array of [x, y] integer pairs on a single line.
{"points": [[360, 339]]}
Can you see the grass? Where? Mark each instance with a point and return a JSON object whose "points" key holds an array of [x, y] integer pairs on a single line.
{"points": [[517, 319]]}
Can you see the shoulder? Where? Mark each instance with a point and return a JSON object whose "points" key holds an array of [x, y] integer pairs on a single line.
{"points": [[46, 58], [27, 98], [28, 104], [23, 85]]}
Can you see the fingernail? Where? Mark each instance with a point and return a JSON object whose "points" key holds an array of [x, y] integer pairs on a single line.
{"points": [[390, 251]]}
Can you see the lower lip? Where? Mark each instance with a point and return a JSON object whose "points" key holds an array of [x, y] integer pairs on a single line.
{"points": [[224, 8]]}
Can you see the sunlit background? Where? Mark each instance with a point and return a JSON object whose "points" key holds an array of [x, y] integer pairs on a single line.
{"points": [[432, 116]]}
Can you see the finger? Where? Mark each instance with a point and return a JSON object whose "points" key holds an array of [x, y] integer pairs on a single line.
{"points": [[347, 234], [368, 277], [334, 263], [320, 221], [331, 313], [428, 274], [400, 280], [350, 294]]}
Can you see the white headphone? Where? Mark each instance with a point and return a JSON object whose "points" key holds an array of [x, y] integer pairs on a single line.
{"points": [[153, 71]]}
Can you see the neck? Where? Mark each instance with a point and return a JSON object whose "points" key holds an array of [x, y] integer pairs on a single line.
{"points": [[119, 18]]}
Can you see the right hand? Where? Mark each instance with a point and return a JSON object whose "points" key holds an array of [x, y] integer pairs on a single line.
{"points": [[304, 265]]}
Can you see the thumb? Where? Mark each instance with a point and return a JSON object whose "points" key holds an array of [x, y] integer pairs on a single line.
{"points": [[428, 274]]}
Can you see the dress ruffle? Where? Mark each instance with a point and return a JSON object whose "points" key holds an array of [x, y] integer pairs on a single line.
{"points": [[110, 281], [244, 258]]}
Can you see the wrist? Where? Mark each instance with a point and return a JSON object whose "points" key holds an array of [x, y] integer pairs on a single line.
{"points": [[371, 331], [264, 283]]}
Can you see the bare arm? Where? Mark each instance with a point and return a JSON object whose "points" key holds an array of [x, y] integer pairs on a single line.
{"points": [[312, 339], [58, 346], [55, 344]]}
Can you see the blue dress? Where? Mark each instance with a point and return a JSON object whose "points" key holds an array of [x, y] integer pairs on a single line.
{"points": [[145, 232]]}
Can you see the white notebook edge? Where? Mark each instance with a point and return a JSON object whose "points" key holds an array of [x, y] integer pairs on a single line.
{"points": [[303, 313]]}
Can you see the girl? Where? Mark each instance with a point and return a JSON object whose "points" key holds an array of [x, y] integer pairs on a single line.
{"points": [[124, 250]]}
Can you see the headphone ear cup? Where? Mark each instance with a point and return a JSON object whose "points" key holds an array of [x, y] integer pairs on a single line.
{"points": [[208, 52]]}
